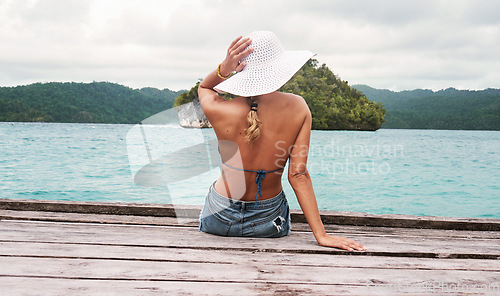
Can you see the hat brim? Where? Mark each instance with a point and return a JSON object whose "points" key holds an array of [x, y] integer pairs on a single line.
{"points": [[267, 78]]}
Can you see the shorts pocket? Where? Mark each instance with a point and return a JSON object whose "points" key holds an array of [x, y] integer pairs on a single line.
{"points": [[276, 225], [213, 225], [213, 222]]}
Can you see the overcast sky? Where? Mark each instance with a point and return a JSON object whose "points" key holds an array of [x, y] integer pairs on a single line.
{"points": [[393, 44]]}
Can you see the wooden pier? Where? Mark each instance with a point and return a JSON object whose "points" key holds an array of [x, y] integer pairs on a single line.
{"points": [[72, 248]]}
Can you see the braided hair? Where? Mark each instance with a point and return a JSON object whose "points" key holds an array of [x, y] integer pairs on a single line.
{"points": [[253, 130]]}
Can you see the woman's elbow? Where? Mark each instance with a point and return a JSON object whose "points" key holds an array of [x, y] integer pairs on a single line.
{"points": [[201, 93], [299, 177]]}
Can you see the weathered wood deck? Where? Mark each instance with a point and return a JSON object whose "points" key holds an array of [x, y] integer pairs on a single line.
{"points": [[54, 248]]}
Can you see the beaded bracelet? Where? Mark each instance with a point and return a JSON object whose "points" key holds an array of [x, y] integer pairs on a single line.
{"points": [[220, 75]]}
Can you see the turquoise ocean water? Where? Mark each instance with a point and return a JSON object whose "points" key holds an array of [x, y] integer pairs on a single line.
{"points": [[416, 172]]}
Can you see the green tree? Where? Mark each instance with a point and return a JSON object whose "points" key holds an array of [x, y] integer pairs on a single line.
{"points": [[333, 103], [82, 102], [188, 96]]}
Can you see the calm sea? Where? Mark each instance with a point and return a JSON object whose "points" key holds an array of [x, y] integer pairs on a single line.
{"points": [[417, 172]]}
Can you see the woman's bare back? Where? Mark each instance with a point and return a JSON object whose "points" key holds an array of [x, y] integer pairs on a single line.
{"points": [[269, 152]]}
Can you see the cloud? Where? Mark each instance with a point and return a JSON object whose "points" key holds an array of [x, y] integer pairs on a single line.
{"points": [[170, 44]]}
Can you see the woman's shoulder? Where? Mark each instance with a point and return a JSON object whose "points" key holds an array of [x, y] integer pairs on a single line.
{"points": [[293, 102], [276, 101], [289, 96]]}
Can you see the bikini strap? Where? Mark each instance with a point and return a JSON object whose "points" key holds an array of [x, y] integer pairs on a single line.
{"points": [[261, 174], [252, 171]]}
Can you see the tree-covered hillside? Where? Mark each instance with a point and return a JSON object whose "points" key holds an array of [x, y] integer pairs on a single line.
{"points": [[444, 109], [333, 104], [97, 102]]}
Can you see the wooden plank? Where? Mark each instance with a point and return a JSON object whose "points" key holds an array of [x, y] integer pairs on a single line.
{"points": [[58, 286], [84, 287], [96, 218], [241, 272], [79, 251], [191, 238], [329, 217], [119, 208], [170, 221], [142, 233], [235, 272], [102, 259]]}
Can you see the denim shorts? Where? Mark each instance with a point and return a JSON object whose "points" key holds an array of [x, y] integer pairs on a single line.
{"points": [[224, 216]]}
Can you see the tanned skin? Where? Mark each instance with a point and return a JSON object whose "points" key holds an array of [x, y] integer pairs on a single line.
{"points": [[285, 135]]}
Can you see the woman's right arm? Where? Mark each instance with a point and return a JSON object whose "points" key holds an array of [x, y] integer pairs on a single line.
{"points": [[206, 94], [300, 181]]}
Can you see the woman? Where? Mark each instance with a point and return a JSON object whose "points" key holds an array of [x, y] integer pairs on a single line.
{"points": [[258, 131]]}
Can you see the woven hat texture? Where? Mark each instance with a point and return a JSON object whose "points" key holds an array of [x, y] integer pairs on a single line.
{"points": [[268, 67]]}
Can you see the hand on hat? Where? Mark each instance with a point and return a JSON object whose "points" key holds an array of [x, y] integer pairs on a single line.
{"points": [[236, 51]]}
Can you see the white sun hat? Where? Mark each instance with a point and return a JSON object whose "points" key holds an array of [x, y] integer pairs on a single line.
{"points": [[268, 67]]}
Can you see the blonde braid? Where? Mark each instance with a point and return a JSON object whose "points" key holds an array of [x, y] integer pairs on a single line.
{"points": [[253, 130]]}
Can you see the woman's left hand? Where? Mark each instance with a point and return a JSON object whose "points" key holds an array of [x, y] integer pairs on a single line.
{"points": [[237, 50], [340, 242]]}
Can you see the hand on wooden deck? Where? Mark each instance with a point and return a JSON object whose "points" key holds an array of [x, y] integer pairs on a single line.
{"points": [[340, 242]]}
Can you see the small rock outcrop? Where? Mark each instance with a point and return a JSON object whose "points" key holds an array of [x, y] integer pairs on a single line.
{"points": [[191, 115]]}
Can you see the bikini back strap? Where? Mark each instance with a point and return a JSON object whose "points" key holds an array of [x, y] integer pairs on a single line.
{"points": [[261, 174]]}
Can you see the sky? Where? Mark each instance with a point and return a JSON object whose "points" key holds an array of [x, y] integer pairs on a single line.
{"points": [[389, 44]]}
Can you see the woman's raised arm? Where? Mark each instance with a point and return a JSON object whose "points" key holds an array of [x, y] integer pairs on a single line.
{"points": [[236, 51]]}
